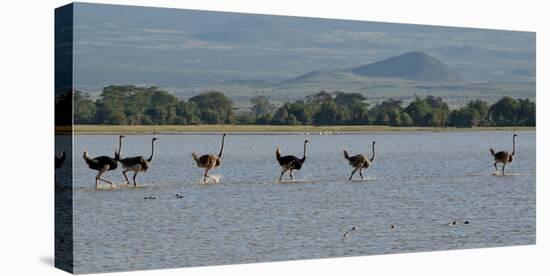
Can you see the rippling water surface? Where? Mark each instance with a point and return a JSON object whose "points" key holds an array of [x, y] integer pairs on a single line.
{"points": [[419, 182]]}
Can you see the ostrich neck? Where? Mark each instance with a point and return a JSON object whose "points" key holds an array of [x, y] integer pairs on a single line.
{"points": [[221, 149], [305, 147], [152, 151], [373, 152], [119, 145], [514, 145]]}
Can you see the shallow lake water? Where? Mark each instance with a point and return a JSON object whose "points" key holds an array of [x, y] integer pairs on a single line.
{"points": [[419, 183]]}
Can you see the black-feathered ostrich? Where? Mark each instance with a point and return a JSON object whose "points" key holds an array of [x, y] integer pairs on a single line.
{"points": [[135, 164], [290, 162], [359, 161], [59, 160], [102, 164], [209, 161], [503, 156]]}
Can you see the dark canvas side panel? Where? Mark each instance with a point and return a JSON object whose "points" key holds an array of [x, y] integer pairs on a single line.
{"points": [[63, 138]]}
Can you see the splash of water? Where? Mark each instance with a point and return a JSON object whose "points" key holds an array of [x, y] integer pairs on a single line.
{"points": [[505, 174], [212, 179]]}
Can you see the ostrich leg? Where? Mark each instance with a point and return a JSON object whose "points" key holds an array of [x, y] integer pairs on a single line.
{"points": [[352, 173], [134, 177], [205, 174], [99, 174], [361, 173], [126, 176], [291, 175], [282, 173], [503, 166], [496, 169]]}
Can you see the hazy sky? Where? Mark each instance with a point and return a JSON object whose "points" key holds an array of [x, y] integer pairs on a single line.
{"points": [[194, 49]]}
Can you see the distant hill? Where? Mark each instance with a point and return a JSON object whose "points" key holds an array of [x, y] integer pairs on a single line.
{"points": [[413, 66], [245, 55], [400, 77], [317, 76]]}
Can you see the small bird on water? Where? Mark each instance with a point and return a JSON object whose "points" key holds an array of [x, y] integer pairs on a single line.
{"points": [[349, 231]]}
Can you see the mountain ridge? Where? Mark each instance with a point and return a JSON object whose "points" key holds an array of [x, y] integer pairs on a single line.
{"points": [[412, 66]]}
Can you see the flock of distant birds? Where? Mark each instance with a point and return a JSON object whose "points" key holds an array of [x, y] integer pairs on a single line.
{"points": [[393, 226], [288, 163]]}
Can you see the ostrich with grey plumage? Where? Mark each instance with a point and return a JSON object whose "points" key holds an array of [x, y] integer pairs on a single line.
{"points": [[209, 161], [360, 161], [504, 157]]}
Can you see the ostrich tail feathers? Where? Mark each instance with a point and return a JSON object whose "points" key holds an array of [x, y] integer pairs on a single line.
{"points": [[492, 151], [278, 153], [195, 157], [144, 165], [87, 158], [346, 155]]}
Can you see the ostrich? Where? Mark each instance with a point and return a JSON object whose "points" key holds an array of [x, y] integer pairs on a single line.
{"points": [[503, 156], [209, 161], [59, 160], [102, 164], [290, 162], [136, 164], [359, 162]]}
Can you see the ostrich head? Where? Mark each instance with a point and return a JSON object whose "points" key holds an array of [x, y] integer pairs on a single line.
{"points": [[85, 154], [515, 135], [306, 141], [155, 138]]}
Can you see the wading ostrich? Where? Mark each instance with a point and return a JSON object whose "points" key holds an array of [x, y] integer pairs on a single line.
{"points": [[209, 161], [359, 161], [290, 162], [503, 156], [102, 164], [136, 164], [59, 160]]}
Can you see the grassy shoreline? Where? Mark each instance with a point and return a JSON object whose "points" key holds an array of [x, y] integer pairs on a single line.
{"points": [[177, 129]]}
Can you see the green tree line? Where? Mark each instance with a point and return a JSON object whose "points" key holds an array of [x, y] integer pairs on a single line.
{"points": [[133, 105]]}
